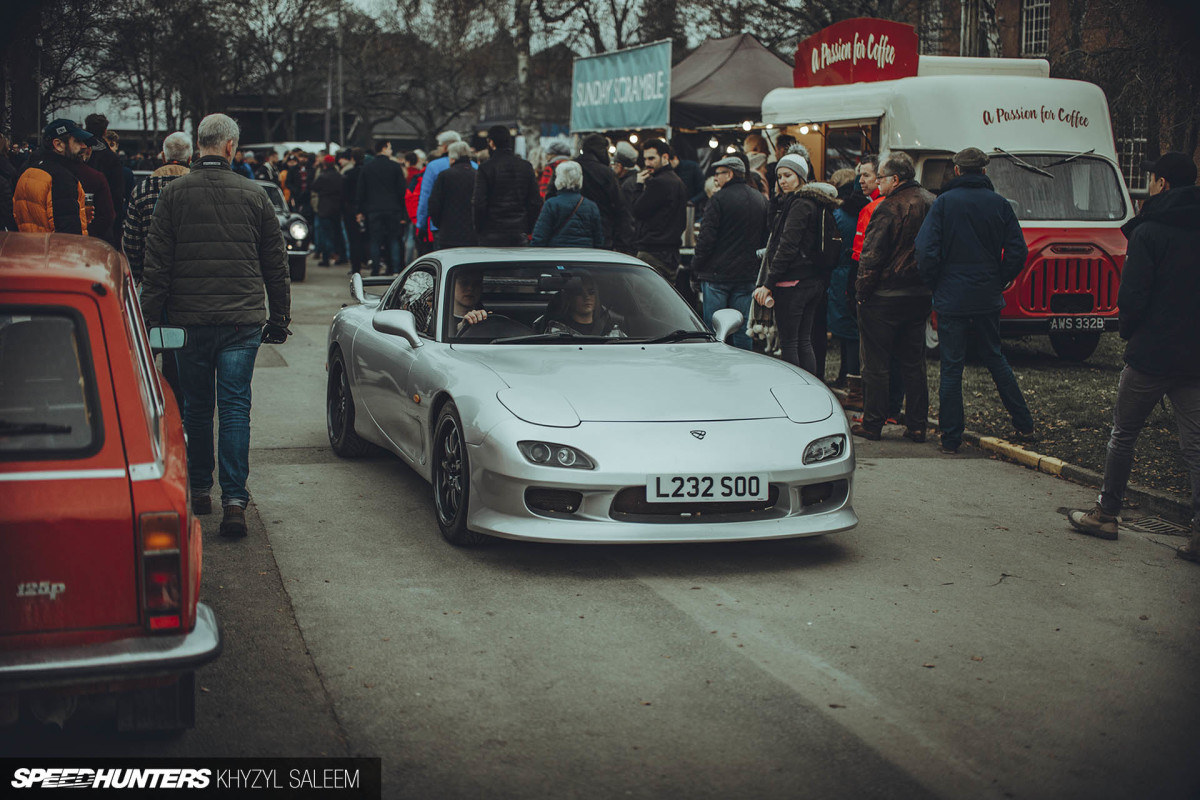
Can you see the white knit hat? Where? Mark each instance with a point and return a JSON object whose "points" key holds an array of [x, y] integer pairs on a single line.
{"points": [[795, 163]]}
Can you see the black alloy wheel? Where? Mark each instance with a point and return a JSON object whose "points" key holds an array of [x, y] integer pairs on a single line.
{"points": [[452, 480], [339, 413]]}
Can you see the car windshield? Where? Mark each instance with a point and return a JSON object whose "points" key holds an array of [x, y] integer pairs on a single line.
{"points": [[276, 196], [46, 386], [1085, 188], [569, 303]]}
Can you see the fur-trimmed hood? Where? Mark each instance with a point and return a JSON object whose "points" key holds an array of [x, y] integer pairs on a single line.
{"points": [[813, 193]]}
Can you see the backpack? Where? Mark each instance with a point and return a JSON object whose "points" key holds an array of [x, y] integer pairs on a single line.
{"points": [[828, 243]]}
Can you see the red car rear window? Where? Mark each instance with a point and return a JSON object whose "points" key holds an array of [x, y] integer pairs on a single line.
{"points": [[47, 387]]}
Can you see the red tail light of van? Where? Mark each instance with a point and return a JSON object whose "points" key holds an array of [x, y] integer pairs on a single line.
{"points": [[161, 578]]}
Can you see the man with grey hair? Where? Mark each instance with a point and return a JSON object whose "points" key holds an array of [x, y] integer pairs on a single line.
{"points": [[893, 302], [176, 154], [450, 200], [426, 229], [213, 250]]}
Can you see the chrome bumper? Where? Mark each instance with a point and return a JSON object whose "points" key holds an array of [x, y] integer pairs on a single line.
{"points": [[123, 659]]}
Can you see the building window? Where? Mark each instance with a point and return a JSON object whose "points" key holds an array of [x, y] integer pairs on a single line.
{"points": [[932, 23], [1131, 152], [1035, 27]]}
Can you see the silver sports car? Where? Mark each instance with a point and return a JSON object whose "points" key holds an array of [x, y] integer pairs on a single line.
{"points": [[568, 395]]}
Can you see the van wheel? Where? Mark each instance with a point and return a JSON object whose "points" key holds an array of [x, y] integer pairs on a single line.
{"points": [[1074, 346], [297, 268]]}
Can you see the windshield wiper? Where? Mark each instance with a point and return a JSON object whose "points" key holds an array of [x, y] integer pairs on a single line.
{"points": [[557, 336], [1024, 165], [1069, 159], [677, 336], [30, 428]]}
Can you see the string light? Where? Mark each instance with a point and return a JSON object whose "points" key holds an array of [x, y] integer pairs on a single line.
{"points": [[731, 149], [747, 125], [633, 137], [713, 143], [803, 130]]}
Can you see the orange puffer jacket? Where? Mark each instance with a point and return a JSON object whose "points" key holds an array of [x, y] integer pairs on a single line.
{"points": [[49, 198]]}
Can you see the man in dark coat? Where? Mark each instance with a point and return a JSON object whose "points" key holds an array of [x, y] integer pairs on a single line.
{"points": [[381, 187], [327, 189], [451, 199], [1160, 289], [659, 209], [507, 197], [735, 222], [893, 303], [969, 248], [105, 161], [215, 259], [349, 162]]}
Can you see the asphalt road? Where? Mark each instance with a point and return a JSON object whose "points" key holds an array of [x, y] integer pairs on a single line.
{"points": [[959, 643]]}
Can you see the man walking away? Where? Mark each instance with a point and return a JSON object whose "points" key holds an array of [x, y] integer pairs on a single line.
{"points": [[349, 160], [507, 199], [892, 301], [440, 163], [381, 203], [176, 153], [327, 188], [451, 199], [734, 225], [659, 210], [49, 198], [214, 247], [969, 248], [1160, 287]]}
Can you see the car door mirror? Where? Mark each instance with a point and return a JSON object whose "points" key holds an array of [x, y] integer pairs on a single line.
{"points": [[166, 337], [725, 321], [398, 323]]}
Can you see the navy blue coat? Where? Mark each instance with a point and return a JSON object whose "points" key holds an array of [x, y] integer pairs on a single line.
{"points": [[585, 229], [969, 248]]}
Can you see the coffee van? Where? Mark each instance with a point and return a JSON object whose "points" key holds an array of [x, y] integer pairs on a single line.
{"points": [[1052, 157]]}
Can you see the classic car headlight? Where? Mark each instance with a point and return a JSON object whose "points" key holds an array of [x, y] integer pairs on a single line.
{"points": [[548, 454], [298, 230], [825, 449]]}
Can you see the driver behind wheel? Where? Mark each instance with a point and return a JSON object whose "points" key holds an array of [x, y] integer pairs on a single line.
{"points": [[468, 299], [577, 309]]}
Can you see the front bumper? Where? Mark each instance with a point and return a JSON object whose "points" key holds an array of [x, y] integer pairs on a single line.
{"points": [[120, 660], [627, 453]]}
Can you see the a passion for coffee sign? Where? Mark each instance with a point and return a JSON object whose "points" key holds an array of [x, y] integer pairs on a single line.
{"points": [[857, 51]]}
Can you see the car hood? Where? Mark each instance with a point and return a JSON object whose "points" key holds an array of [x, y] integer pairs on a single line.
{"points": [[655, 383]]}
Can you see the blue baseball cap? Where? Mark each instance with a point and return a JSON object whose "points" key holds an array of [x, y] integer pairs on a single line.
{"points": [[62, 128]]}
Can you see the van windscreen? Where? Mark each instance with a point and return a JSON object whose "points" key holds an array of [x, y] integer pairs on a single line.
{"points": [[1085, 189]]}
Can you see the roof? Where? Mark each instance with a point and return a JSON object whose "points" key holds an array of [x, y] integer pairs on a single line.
{"points": [[724, 81], [457, 256], [62, 256]]}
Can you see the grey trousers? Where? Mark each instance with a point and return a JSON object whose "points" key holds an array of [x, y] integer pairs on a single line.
{"points": [[1137, 395]]}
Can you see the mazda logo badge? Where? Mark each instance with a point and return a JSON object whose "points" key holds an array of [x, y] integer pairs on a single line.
{"points": [[699, 434]]}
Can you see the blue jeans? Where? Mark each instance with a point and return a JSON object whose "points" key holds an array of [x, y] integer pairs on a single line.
{"points": [[329, 237], [386, 229], [952, 340], [729, 295], [215, 369]]}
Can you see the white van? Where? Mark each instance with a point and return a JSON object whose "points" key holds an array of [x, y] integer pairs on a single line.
{"points": [[1052, 157]]}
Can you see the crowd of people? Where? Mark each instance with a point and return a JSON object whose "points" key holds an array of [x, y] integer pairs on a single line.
{"points": [[863, 258]]}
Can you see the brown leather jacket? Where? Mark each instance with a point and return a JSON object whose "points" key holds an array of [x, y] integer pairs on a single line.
{"points": [[889, 262]]}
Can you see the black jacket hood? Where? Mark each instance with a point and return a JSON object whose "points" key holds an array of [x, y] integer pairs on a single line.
{"points": [[1178, 208]]}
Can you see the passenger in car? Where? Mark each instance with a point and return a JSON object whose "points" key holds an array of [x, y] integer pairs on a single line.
{"points": [[577, 308]]}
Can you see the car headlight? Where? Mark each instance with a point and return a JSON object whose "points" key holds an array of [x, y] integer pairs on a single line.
{"points": [[825, 449], [548, 454], [298, 230]]}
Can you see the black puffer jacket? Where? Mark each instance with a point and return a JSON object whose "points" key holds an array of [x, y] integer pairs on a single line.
{"points": [[507, 197], [734, 225], [1160, 283], [214, 244], [327, 188], [381, 186], [660, 210], [450, 205], [794, 235]]}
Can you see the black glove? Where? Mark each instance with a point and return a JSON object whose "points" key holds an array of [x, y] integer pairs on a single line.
{"points": [[275, 334]]}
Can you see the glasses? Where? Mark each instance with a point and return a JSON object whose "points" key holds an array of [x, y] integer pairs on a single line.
{"points": [[882, 178]]}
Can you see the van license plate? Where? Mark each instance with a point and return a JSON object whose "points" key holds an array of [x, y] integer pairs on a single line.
{"points": [[1073, 324], [712, 488]]}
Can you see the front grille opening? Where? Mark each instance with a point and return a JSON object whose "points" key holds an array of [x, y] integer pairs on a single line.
{"points": [[1072, 303], [1094, 278], [816, 494], [553, 501], [630, 505]]}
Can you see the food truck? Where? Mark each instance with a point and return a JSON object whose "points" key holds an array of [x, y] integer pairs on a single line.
{"points": [[1052, 157]]}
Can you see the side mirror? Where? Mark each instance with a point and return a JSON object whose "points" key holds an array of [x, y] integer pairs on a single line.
{"points": [[725, 321], [356, 288], [398, 323], [166, 337]]}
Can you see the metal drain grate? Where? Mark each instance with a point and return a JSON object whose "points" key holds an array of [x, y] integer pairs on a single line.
{"points": [[1157, 525]]}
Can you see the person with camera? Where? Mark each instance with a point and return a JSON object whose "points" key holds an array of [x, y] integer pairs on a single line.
{"points": [[214, 248]]}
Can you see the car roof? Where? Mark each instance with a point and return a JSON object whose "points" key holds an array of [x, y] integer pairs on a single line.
{"points": [[61, 258], [457, 256]]}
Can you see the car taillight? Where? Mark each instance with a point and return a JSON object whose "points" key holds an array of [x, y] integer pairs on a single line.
{"points": [[161, 580]]}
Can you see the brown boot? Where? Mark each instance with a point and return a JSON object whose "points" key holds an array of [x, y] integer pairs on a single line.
{"points": [[1191, 550], [233, 524], [854, 393], [1096, 522]]}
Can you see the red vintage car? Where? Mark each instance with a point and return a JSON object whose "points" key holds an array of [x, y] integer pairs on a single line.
{"points": [[99, 549]]}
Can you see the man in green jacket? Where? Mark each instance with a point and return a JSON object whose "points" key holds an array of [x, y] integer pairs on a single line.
{"points": [[214, 246]]}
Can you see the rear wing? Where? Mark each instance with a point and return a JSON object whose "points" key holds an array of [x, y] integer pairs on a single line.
{"points": [[369, 290]]}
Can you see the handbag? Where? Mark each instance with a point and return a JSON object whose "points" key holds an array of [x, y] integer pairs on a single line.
{"points": [[563, 224]]}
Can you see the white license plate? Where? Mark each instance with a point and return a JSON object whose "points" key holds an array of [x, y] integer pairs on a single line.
{"points": [[705, 488], [1060, 324]]}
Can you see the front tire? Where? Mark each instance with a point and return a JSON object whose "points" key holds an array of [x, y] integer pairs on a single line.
{"points": [[1074, 346], [339, 413], [452, 480], [297, 267]]}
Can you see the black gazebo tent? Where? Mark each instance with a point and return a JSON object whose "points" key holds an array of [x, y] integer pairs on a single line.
{"points": [[724, 81]]}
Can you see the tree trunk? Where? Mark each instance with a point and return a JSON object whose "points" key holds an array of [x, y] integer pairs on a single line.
{"points": [[528, 127]]}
